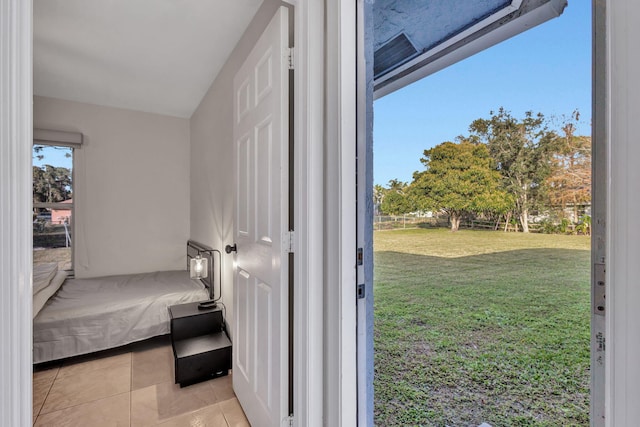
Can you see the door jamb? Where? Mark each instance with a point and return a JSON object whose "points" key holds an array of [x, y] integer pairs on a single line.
{"points": [[599, 165], [308, 188], [340, 394]]}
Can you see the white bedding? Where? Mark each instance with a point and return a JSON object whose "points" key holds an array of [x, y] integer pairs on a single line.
{"points": [[43, 274], [88, 315], [41, 297]]}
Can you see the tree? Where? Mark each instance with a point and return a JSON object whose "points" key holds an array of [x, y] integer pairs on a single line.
{"points": [[522, 151], [51, 184], [396, 200], [378, 197], [397, 185], [459, 179], [569, 183]]}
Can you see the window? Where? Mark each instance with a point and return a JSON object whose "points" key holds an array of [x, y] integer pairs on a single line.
{"points": [[53, 197]]}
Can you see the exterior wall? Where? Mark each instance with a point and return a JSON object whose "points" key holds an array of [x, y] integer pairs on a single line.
{"points": [[212, 157], [365, 213], [131, 187], [61, 216]]}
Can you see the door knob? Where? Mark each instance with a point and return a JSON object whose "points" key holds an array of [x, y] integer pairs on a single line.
{"points": [[229, 248]]}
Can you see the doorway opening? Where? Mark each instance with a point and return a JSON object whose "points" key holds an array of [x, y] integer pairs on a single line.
{"points": [[487, 324]]}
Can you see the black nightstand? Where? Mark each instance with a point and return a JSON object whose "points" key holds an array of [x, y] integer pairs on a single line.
{"points": [[201, 347]]}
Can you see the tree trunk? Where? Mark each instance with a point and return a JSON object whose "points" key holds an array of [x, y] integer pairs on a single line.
{"points": [[455, 222], [524, 219], [524, 215], [506, 222]]}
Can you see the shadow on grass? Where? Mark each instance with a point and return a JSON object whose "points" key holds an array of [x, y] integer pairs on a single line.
{"points": [[501, 338]]}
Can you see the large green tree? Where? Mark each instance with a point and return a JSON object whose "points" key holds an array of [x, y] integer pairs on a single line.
{"points": [[51, 184], [396, 199], [522, 150], [459, 179]]}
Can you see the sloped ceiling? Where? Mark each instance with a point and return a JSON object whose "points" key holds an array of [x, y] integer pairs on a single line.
{"points": [[157, 56]]}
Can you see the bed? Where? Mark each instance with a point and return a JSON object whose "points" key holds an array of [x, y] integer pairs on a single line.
{"points": [[87, 315]]}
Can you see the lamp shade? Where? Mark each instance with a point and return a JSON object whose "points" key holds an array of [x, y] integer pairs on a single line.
{"points": [[198, 267]]}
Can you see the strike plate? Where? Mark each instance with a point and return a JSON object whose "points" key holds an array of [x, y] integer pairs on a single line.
{"points": [[599, 290]]}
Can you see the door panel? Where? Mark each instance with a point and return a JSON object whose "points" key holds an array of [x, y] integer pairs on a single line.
{"points": [[264, 340], [242, 335], [260, 361], [264, 195], [244, 180]]}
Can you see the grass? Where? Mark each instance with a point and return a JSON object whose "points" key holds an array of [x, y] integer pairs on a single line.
{"points": [[481, 326]]}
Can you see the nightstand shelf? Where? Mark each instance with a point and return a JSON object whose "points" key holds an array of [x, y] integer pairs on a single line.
{"points": [[201, 347]]}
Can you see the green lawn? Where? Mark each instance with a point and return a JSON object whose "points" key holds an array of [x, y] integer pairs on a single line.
{"points": [[481, 326]]}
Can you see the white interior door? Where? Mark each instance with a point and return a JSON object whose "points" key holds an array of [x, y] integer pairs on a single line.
{"points": [[260, 356]]}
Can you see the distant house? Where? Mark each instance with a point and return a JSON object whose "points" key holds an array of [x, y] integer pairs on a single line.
{"points": [[62, 216]]}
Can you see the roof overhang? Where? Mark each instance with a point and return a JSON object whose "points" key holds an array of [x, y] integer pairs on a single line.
{"points": [[442, 33]]}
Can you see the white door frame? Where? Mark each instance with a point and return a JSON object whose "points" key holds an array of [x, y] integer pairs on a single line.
{"points": [[340, 404], [325, 367], [308, 356], [621, 100], [16, 124], [598, 214]]}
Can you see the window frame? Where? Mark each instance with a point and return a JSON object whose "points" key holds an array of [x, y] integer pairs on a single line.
{"points": [[72, 140]]}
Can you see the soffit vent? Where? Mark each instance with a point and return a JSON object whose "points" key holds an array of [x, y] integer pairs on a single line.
{"points": [[392, 54]]}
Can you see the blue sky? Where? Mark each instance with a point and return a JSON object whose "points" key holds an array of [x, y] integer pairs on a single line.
{"points": [[54, 157], [546, 69]]}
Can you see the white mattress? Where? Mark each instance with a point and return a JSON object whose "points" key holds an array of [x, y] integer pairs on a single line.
{"points": [[88, 315]]}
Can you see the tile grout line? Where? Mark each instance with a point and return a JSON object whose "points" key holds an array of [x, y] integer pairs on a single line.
{"points": [[75, 405], [58, 377], [46, 395], [84, 403], [131, 388], [225, 417], [64, 377]]}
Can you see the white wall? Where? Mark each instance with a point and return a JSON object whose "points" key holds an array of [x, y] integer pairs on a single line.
{"points": [[131, 191], [212, 157]]}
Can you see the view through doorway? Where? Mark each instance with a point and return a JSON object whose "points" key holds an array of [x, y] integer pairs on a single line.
{"points": [[487, 324]]}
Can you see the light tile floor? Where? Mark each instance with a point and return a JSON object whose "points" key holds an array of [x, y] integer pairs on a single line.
{"points": [[132, 386]]}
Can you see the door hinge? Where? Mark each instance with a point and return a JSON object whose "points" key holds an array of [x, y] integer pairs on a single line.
{"points": [[288, 421], [360, 256], [291, 58], [288, 241], [360, 293]]}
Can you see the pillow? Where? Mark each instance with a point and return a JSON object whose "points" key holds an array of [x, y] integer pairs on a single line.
{"points": [[40, 299], [43, 274]]}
